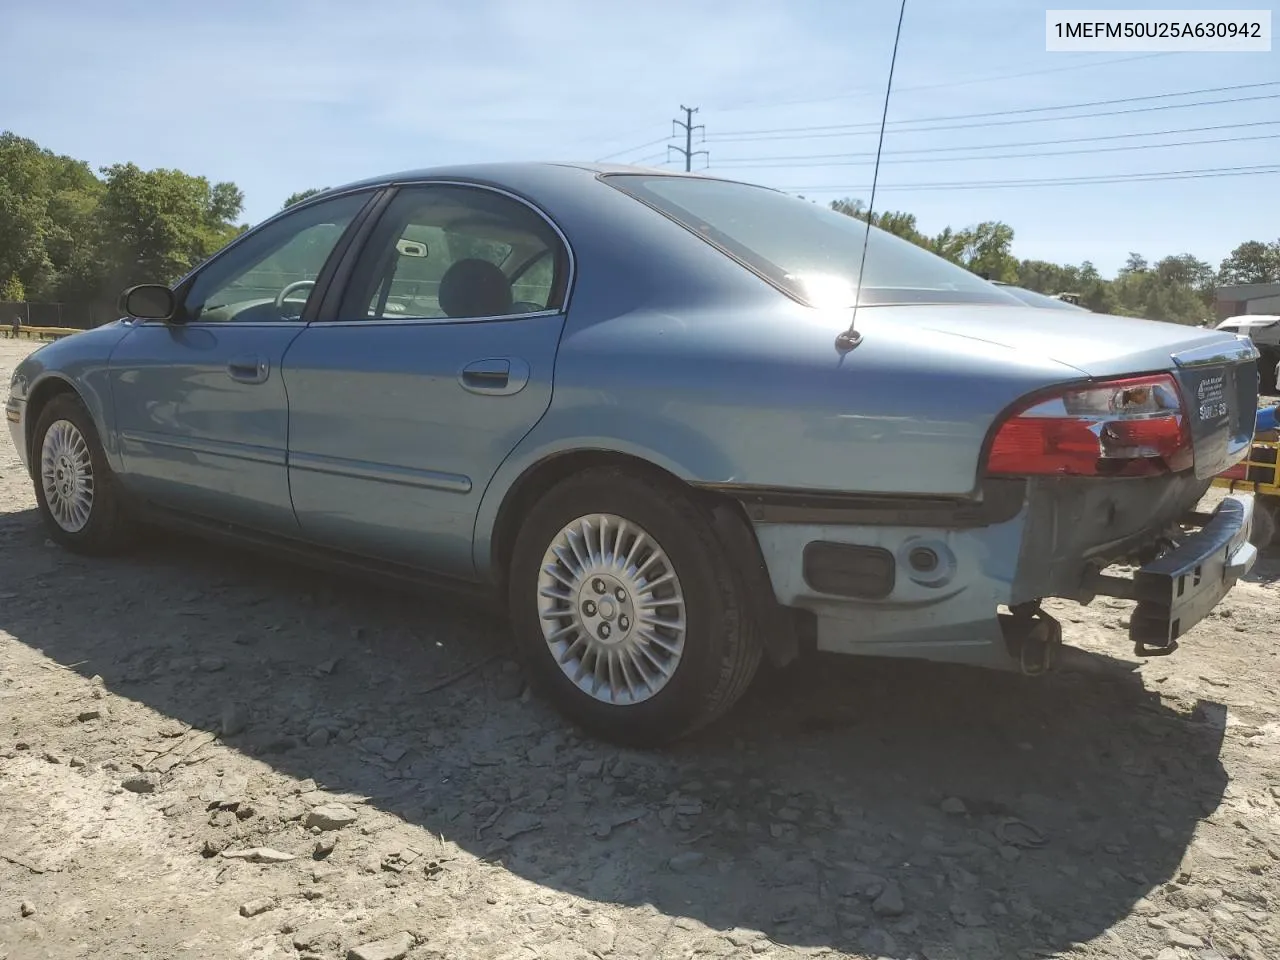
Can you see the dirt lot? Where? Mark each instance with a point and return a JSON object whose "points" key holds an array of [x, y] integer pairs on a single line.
{"points": [[161, 715]]}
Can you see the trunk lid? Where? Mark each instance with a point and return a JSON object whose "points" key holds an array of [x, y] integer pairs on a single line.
{"points": [[1216, 370], [1096, 344], [1220, 390]]}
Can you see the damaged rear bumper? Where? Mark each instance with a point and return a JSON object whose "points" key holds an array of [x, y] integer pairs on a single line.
{"points": [[1179, 588], [915, 585]]}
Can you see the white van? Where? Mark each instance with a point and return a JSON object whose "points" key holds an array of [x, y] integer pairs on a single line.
{"points": [[1264, 330]]}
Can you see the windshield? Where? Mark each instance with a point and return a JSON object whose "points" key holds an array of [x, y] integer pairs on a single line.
{"points": [[808, 251]]}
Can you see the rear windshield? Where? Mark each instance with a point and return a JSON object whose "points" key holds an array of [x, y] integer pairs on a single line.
{"points": [[807, 250], [1031, 298]]}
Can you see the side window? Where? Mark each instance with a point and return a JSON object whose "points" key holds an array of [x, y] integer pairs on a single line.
{"points": [[270, 274], [455, 252], [535, 278]]}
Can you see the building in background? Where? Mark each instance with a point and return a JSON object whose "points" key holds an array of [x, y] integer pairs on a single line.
{"points": [[1242, 298]]}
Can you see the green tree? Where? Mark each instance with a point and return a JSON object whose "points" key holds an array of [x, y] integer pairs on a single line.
{"points": [[25, 187], [68, 235], [1252, 262], [1135, 263], [1178, 288], [301, 195], [1095, 292], [901, 225], [948, 244], [1165, 291], [986, 249], [155, 225], [47, 203], [850, 208], [898, 223], [1188, 270], [12, 290], [1048, 278]]}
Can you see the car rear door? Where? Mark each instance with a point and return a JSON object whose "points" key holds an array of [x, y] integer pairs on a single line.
{"points": [[437, 360], [201, 412]]}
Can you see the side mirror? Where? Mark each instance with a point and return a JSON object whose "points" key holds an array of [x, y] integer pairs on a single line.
{"points": [[149, 301]]}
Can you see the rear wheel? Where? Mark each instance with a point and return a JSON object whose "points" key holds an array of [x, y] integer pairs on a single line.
{"points": [[627, 610], [76, 490]]}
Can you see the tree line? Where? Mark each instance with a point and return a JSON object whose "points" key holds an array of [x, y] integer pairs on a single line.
{"points": [[74, 235], [1177, 288]]}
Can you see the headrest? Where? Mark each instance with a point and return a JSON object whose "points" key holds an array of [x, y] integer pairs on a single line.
{"points": [[475, 288]]}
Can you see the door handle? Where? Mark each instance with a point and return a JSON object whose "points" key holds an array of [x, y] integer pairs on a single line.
{"points": [[498, 375], [248, 369]]}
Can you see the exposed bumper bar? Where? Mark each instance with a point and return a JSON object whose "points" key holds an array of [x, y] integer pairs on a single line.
{"points": [[1178, 589]]}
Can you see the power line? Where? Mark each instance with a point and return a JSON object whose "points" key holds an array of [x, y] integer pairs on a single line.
{"points": [[749, 165], [1205, 173], [687, 124], [641, 146], [786, 132], [1023, 143], [997, 113], [821, 132], [1009, 113], [1002, 123], [867, 93]]}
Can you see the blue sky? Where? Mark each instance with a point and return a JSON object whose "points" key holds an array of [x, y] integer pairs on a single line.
{"points": [[279, 95]]}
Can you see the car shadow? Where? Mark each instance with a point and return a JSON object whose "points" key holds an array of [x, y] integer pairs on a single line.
{"points": [[1266, 570], [862, 805]]}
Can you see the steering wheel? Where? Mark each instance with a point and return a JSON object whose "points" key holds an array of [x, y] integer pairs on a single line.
{"points": [[288, 289]]}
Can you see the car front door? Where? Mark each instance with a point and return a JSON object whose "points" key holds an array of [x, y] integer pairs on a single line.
{"points": [[201, 412], [437, 362]]}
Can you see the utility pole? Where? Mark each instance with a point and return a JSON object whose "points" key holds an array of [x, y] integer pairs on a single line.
{"points": [[687, 124]]}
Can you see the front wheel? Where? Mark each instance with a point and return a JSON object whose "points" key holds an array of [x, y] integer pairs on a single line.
{"points": [[76, 490], [627, 610]]}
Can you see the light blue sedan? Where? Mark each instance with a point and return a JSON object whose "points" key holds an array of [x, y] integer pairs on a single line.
{"points": [[637, 407]]}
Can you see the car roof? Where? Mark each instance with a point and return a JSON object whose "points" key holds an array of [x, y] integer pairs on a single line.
{"points": [[529, 172]]}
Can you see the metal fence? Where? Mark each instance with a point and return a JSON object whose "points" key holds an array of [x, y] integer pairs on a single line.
{"points": [[77, 316]]}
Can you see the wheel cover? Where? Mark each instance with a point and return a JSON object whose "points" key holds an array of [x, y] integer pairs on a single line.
{"points": [[66, 475], [611, 609]]}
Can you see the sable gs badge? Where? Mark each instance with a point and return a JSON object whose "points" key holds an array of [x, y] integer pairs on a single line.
{"points": [[1213, 404]]}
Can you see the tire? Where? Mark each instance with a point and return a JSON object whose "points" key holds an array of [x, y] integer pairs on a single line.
{"points": [[719, 649], [1263, 534], [65, 431]]}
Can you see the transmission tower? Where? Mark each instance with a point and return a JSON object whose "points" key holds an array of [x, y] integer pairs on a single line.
{"points": [[687, 125]]}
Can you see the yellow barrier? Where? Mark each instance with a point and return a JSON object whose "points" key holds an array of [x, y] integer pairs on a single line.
{"points": [[1259, 473]]}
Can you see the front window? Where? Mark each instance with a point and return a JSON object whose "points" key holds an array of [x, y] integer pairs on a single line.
{"points": [[808, 251], [270, 275]]}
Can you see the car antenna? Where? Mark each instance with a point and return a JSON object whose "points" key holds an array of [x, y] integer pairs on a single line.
{"points": [[846, 340]]}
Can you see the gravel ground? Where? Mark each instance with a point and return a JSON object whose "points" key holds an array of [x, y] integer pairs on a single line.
{"points": [[205, 755]]}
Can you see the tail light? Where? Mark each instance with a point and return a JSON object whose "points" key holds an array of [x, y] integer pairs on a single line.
{"points": [[1134, 427]]}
